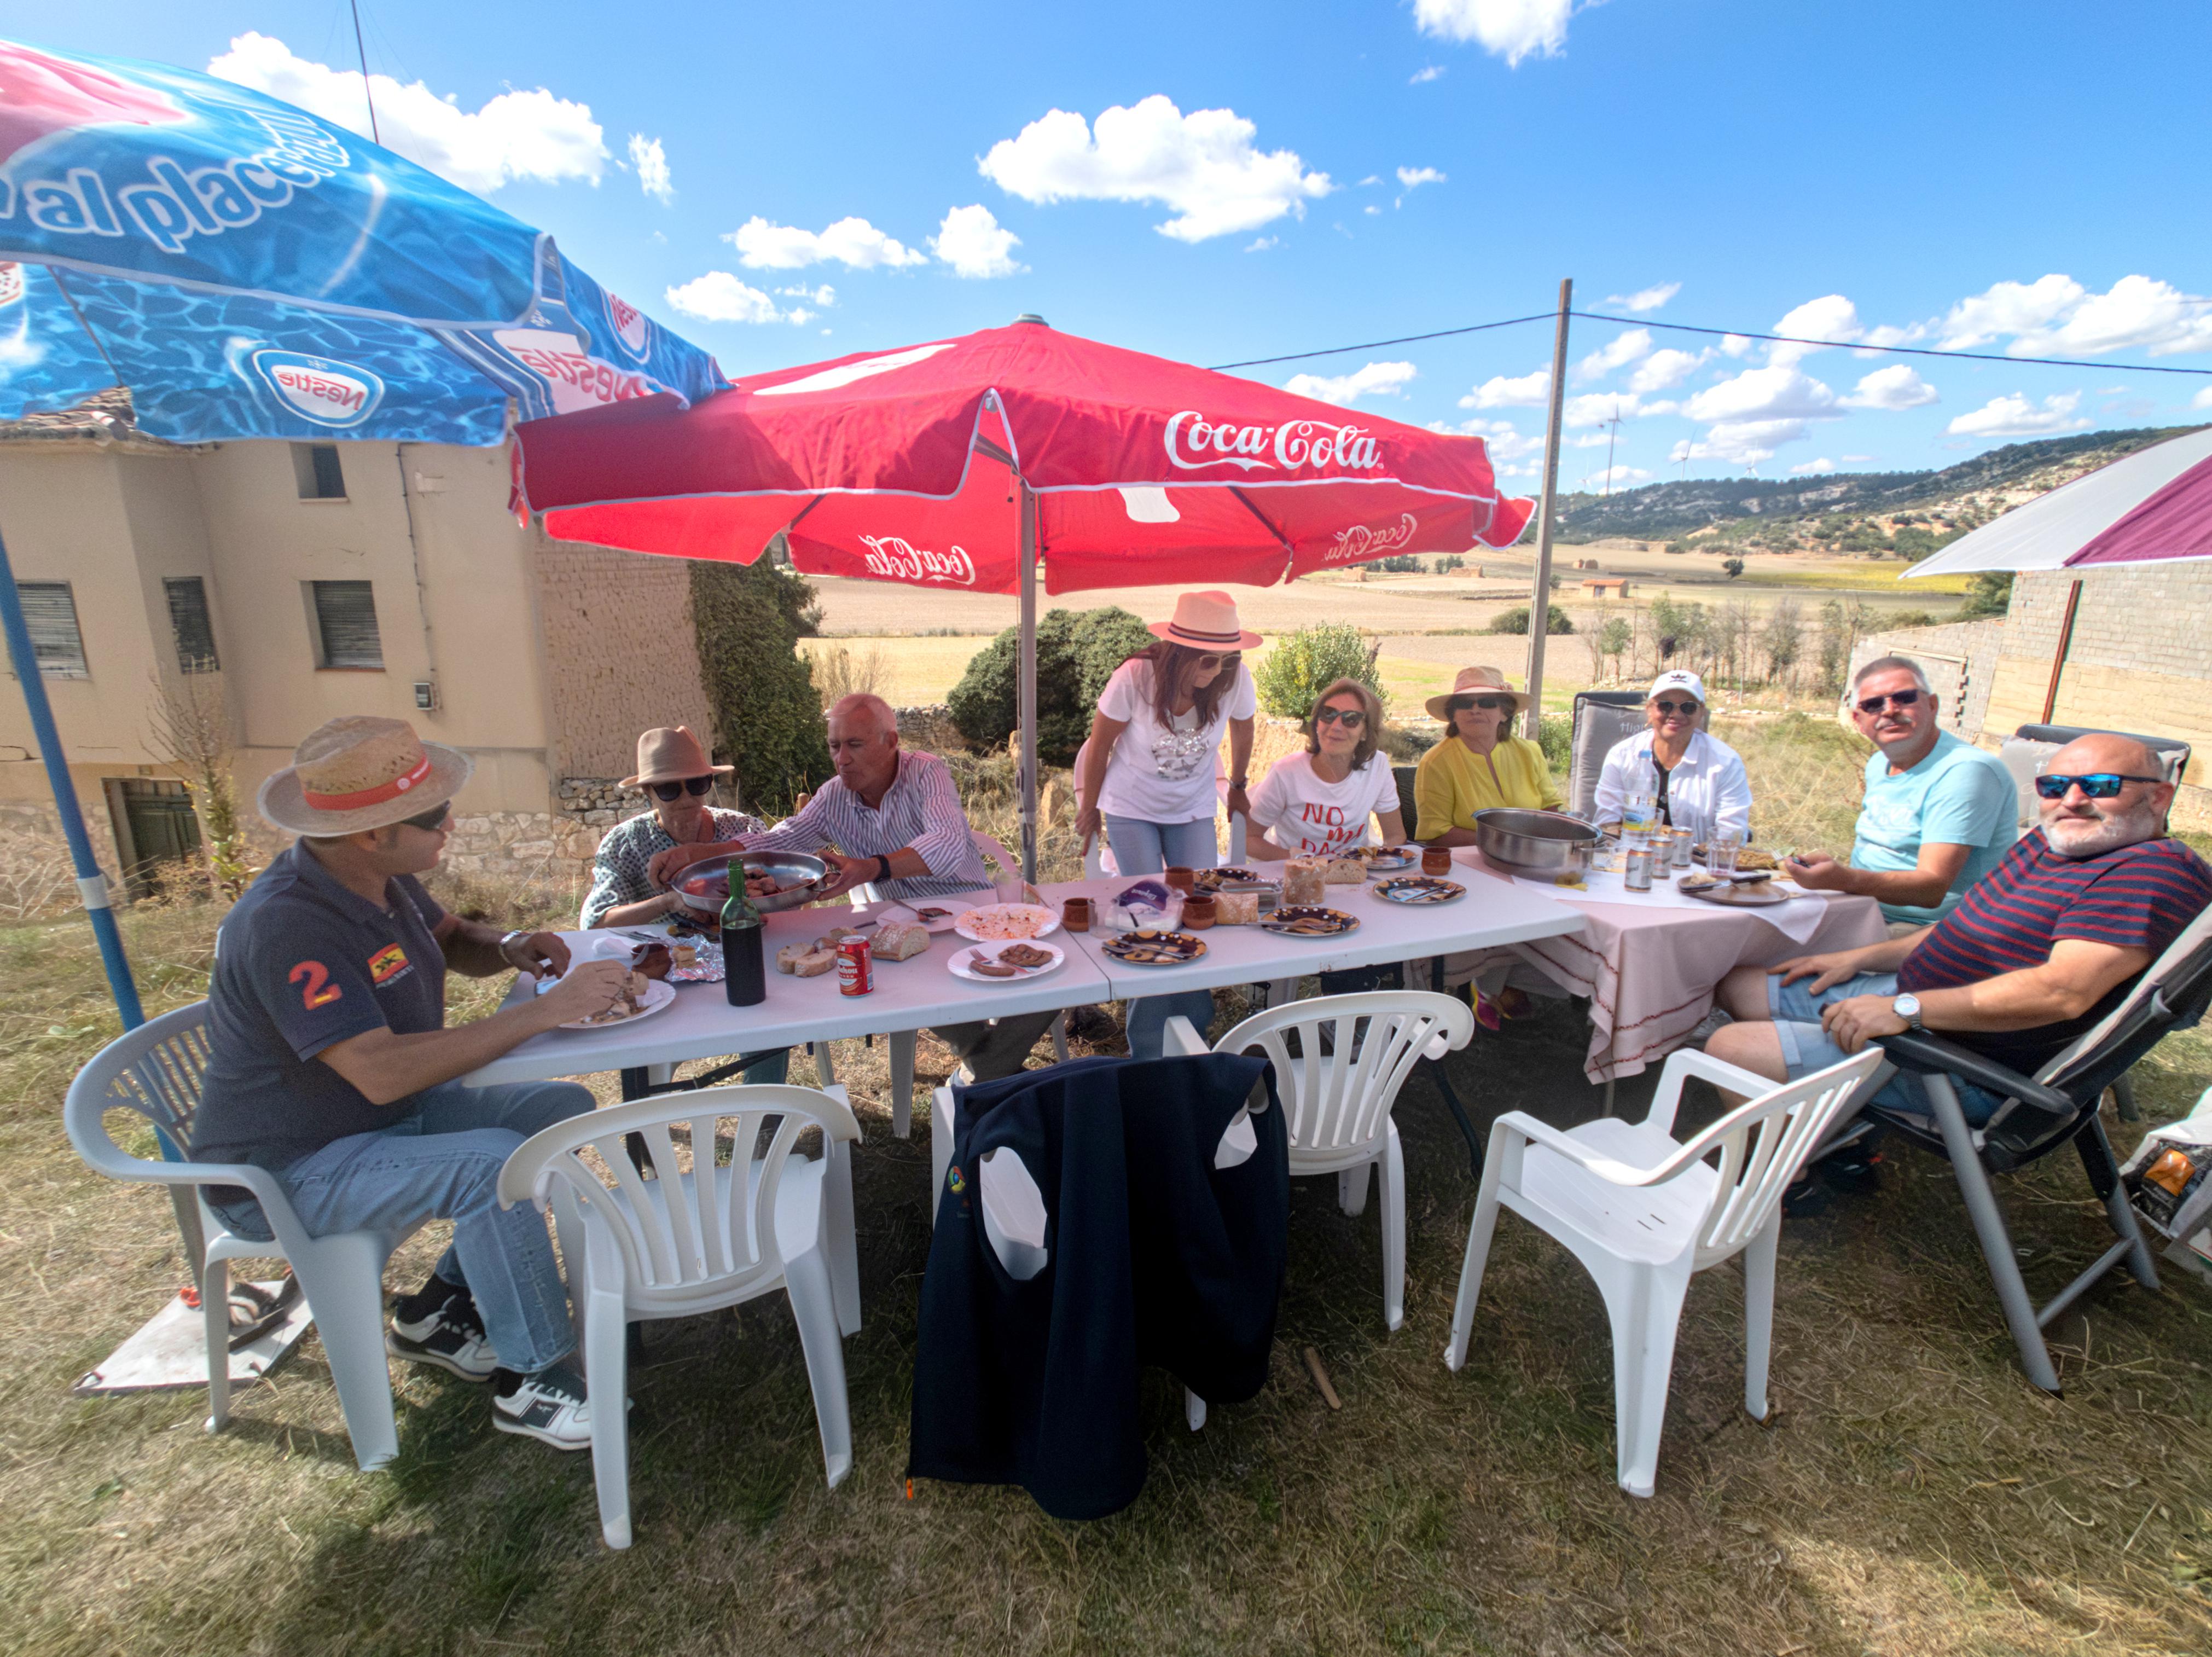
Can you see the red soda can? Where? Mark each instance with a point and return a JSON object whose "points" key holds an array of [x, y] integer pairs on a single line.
{"points": [[856, 968]]}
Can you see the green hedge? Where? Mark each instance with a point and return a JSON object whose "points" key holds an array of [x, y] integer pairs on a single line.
{"points": [[768, 715], [1077, 652], [1556, 621]]}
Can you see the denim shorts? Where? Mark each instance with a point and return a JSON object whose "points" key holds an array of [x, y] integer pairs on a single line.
{"points": [[1806, 1047]]}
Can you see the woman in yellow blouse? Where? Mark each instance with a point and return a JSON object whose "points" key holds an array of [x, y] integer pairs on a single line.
{"points": [[1479, 764]]}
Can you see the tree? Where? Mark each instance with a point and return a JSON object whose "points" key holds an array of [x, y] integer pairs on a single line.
{"points": [[768, 715], [191, 733], [1292, 674], [1988, 593], [1783, 637], [1731, 568], [1614, 637], [1515, 620], [1077, 652]]}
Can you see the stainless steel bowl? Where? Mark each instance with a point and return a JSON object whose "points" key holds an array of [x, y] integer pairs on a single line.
{"points": [[705, 886], [1538, 842]]}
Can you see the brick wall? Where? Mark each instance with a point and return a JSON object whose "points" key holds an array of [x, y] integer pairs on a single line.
{"points": [[1959, 658]]}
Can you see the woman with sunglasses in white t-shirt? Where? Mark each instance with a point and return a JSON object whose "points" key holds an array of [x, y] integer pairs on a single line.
{"points": [[1332, 796]]}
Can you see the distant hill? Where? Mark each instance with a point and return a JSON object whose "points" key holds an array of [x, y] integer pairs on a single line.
{"points": [[1849, 508]]}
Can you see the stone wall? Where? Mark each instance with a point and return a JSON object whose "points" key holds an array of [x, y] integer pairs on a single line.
{"points": [[1960, 660], [930, 726]]}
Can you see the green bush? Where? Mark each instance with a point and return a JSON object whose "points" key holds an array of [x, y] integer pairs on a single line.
{"points": [[1555, 735], [1515, 620], [1292, 673], [768, 715], [1077, 652]]}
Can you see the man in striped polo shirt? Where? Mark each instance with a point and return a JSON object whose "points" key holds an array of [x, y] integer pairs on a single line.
{"points": [[2038, 951]]}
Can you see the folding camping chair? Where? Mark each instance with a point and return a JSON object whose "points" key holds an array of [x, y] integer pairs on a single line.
{"points": [[2056, 1105], [1601, 719]]}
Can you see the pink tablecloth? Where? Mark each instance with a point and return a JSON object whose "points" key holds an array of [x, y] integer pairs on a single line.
{"points": [[1650, 973]]}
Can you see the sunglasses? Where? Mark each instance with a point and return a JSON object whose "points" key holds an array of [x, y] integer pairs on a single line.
{"points": [[694, 786], [432, 820], [2098, 785], [1669, 710], [1206, 662], [1353, 718], [1489, 704], [1873, 704]]}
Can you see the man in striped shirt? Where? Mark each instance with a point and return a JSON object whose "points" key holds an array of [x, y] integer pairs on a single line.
{"points": [[2037, 952], [895, 820]]}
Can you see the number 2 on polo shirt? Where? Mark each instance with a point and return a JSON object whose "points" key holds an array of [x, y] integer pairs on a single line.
{"points": [[316, 988]]}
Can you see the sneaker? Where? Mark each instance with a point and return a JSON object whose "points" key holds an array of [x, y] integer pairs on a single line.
{"points": [[450, 1337], [549, 1406], [1718, 1019]]}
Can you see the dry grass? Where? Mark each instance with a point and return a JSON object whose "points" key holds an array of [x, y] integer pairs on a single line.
{"points": [[1911, 1495]]}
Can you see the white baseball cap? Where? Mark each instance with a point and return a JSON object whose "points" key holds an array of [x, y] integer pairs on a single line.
{"points": [[1679, 679]]}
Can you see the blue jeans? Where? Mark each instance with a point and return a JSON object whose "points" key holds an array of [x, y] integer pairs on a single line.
{"points": [[1806, 1047], [443, 1163], [1140, 848]]}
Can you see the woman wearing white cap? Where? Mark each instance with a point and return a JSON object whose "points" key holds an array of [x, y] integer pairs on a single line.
{"points": [[1700, 781], [1148, 770]]}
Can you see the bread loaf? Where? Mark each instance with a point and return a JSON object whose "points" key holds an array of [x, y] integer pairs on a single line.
{"points": [[1344, 871], [897, 940], [1235, 908], [1303, 880], [806, 960]]}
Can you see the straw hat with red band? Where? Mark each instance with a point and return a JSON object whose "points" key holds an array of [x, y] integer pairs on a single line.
{"points": [[361, 772], [1205, 621]]}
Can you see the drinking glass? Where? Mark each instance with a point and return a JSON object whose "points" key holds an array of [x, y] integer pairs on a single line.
{"points": [[1721, 851]]}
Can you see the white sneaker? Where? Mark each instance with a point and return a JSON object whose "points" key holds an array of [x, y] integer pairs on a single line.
{"points": [[451, 1337], [549, 1406]]}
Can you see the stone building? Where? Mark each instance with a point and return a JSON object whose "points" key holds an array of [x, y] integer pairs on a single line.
{"points": [[308, 581]]}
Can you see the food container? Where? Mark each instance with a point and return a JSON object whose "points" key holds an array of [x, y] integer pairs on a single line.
{"points": [[1181, 878], [705, 886], [1543, 843], [1304, 880], [1435, 860], [856, 968], [1075, 914], [1198, 912]]}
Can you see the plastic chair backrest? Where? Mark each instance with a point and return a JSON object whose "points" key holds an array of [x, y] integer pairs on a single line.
{"points": [[1009, 865], [1601, 719], [156, 1069], [675, 1236], [1408, 812], [1340, 1099], [1762, 1143]]}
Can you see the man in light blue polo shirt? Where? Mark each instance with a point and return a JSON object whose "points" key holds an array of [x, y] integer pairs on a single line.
{"points": [[1939, 813]]}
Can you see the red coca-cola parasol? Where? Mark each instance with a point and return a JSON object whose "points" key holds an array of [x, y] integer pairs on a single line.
{"points": [[962, 462]]}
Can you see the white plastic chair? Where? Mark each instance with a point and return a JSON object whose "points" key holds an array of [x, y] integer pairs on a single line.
{"points": [[156, 1070], [687, 1242], [1336, 1104], [1643, 1212]]}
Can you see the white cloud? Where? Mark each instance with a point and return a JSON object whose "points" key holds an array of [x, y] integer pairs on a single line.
{"points": [[971, 241], [2056, 316], [1740, 442], [1646, 298], [2009, 307], [1860, 459], [1735, 344], [1598, 407], [1503, 442], [2202, 399], [1663, 369], [1412, 178], [719, 297], [1374, 380], [518, 135], [1618, 352], [1511, 29], [1763, 394], [1371, 209], [1812, 468], [1886, 334], [1614, 477], [1530, 390], [1893, 388], [1203, 166], [1433, 72], [851, 242], [652, 163], [1261, 244], [1831, 318], [825, 295], [2016, 416], [1588, 440]]}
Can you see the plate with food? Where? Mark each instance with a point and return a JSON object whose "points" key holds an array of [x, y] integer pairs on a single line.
{"points": [[1309, 921], [1732, 894], [935, 916], [1419, 889], [1004, 963], [641, 997], [1005, 922], [1750, 859], [1213, 879], [1150, 947], [1386, 859]]}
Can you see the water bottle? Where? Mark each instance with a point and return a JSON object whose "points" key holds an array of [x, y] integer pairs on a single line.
{"points": [[1639, 811], [745, 965]]}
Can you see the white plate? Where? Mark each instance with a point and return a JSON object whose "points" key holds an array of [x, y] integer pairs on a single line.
{"points": [[1048, 922], [962, 969], [936, 924], [660, 996]]}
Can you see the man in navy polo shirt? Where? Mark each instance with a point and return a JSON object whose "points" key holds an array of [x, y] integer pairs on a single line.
{"points": [[330, 1063], [2037, 952]]}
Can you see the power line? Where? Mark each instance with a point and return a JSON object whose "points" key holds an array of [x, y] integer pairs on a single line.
{"points": [[1377, 345]]}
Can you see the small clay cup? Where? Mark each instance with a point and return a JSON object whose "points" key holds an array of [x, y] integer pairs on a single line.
{"points": [[1437, 860], [1197, 912], [1179, 878], [1075, 914]]}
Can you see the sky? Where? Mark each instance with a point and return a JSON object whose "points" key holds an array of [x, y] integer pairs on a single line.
{"points": [[784, 184]]}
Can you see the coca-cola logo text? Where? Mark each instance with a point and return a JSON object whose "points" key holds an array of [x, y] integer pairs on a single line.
{"points": [[1361, 542], [897, 560], [1194, 443]]}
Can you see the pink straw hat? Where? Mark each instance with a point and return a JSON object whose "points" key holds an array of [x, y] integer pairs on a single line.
{"points": [[1205, 621]]}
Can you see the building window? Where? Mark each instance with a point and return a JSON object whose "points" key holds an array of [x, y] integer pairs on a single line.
{"points": [[189, 621], [51, 609], [345, 624], [315, 465]]}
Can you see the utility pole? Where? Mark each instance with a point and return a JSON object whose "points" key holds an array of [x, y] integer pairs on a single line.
{"points": [[361, 52], [1539, 604]]}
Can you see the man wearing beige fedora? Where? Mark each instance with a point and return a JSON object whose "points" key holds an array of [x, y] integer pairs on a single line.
{"points": [[329, 1064]]}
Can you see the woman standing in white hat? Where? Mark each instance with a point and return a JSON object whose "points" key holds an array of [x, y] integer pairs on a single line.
{"points": [[1148, 769], [1700, 782]]}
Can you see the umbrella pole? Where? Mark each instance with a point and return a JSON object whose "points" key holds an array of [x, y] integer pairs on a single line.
{"points": [[1540, 602], [1026, 687]]}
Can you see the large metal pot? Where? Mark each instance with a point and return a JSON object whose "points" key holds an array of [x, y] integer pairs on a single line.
{"points": [[705, 885], [1545, 843]]}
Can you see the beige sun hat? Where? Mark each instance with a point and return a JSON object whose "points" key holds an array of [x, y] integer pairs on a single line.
{"points": [[361, 772], [670, 753], [1471, 681], [1205, 621]]}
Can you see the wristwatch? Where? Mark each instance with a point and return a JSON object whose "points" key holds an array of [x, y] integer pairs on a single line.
{"points": [[1907, 1006], [882, 869], [508, 943], [1240, 782]]}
